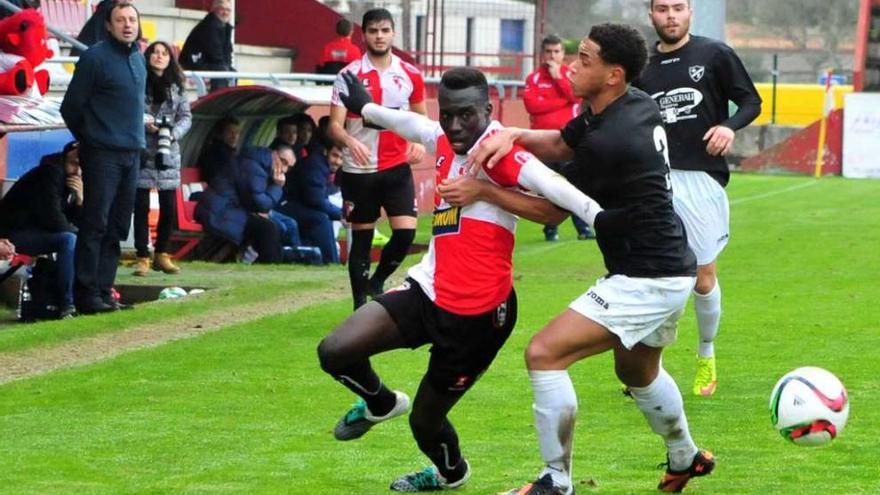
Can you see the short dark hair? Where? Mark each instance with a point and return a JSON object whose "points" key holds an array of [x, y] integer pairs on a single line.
{"points": [[376, 15], [651, 6], [226, 122], [286, 121], [343, 27], [280, 147], [623, 45], [120, 5], [465, 77], [551, 39], [69, 147]]}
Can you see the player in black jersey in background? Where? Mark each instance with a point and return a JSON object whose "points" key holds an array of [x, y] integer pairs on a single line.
{"points": [[692, 78], [618, 145]]}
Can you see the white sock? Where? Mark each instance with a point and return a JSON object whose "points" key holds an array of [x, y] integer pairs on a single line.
{"points": [[708, 308], [661, 404], [555, 409]]}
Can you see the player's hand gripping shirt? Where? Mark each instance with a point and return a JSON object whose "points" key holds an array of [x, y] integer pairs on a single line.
{"points": [[692, 86], [468, 267], [399, 86], [621, 161]]}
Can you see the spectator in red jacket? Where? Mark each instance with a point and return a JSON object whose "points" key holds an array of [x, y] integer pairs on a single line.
{"points": [[551, 104], [339, 52]]}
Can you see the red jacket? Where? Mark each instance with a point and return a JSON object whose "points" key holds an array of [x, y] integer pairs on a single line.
{"points": [[550, 102], [340, 50]]}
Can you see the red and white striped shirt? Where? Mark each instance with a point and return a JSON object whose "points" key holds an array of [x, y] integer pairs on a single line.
{"points": [[397, 87], [468, 267]]}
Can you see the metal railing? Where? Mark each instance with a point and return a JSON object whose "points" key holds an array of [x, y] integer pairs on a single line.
{"points": [[506, 89]]}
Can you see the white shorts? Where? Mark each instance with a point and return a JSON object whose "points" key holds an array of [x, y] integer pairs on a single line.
{"points": [[702, 204], [637, 310]]}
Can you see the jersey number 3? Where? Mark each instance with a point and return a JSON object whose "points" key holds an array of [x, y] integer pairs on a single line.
{"points": [[663, 147]]}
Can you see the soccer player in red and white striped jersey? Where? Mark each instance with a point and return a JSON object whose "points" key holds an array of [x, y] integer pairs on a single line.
{"points": [[460, 297], [375, 172]]}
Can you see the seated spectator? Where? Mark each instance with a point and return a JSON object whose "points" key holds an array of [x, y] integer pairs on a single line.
{"points": [[305, 134], [286, 131], [39, 213], [209, 45], [308, 200], [7, 250], [238, 200], [340, 51], [219, 152]]}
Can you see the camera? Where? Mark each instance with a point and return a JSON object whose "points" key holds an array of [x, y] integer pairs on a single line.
{"points": [[163, 144]]}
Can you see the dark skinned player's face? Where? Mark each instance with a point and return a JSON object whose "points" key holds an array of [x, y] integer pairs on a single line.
{"points": [[464, 116]]}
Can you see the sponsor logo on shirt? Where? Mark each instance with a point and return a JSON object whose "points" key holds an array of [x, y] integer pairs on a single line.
{"points": [[696, 72], [678, 104], [447, 221], [670, 61]]}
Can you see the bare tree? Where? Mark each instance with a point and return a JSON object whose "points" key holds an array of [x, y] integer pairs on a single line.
{"points": [[806, 24]]}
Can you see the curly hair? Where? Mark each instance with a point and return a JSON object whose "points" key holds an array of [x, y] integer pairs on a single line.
{"points": [[623, 45]]}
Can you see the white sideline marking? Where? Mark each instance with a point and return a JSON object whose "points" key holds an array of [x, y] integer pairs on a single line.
{"points": [[773, 193]]}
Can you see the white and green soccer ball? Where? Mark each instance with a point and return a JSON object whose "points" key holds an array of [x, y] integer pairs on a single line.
{"points": [[172, 293], [809, 406]]}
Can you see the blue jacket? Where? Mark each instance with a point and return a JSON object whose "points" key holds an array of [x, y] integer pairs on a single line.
{"points": [[256, 189], [240, 189], [308, 181], [104, 103]]}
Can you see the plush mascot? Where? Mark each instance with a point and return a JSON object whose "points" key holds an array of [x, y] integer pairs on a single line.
{"points": [[23, 46]]}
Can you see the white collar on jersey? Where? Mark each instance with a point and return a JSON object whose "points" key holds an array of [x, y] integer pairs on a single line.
{"points": [[494, 126], [367, 64]]}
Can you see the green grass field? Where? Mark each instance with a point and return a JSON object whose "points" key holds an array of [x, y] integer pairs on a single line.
{"points": [[246, 409]]}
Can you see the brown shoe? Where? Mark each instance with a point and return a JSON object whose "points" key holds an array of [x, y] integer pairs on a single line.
{"points": [[162, 263], [142, 268]]}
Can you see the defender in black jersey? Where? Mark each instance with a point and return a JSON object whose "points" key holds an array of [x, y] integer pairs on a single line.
{"points": [[620, 150], [692, 78]]}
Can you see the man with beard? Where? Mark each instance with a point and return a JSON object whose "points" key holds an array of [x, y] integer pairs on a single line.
{"points": [[460, 297], [375, 172], [619, 150], [692, 78]]}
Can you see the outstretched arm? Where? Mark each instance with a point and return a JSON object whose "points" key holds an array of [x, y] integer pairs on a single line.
{"points": [[411, 126]]}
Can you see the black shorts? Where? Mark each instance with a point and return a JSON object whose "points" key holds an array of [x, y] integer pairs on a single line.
{"points": [[365, 194], [462, 347]]}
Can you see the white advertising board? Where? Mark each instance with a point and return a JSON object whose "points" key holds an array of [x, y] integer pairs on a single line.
{"points": [[861, 135]]}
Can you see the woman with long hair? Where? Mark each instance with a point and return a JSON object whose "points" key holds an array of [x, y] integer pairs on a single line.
{"points": [[160, 167]]}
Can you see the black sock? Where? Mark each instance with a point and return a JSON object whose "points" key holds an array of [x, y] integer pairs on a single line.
{"points": [[443, 450], [359, 265], [392, 255], [365, 383]]}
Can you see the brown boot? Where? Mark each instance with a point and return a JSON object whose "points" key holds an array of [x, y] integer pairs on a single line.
{"points": [[142, 268], [162, 263]]}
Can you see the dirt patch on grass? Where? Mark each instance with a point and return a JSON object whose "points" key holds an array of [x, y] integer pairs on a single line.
{"points": [[80, 352]]}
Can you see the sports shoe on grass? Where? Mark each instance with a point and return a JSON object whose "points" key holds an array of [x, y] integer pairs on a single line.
{"points": [[428, 480], [706, 380], [542, 486], [675, 481], [358, 420]]}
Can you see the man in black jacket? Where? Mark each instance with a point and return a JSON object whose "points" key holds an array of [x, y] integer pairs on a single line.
{"points": [[209, 45], [39, 212], [104, 109]]}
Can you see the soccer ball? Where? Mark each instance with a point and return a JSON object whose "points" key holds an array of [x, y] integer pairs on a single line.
{"points": [[809, 406], [172, 293]]}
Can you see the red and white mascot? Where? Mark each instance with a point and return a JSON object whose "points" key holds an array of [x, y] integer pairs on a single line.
{"points": [[23, 45]]}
